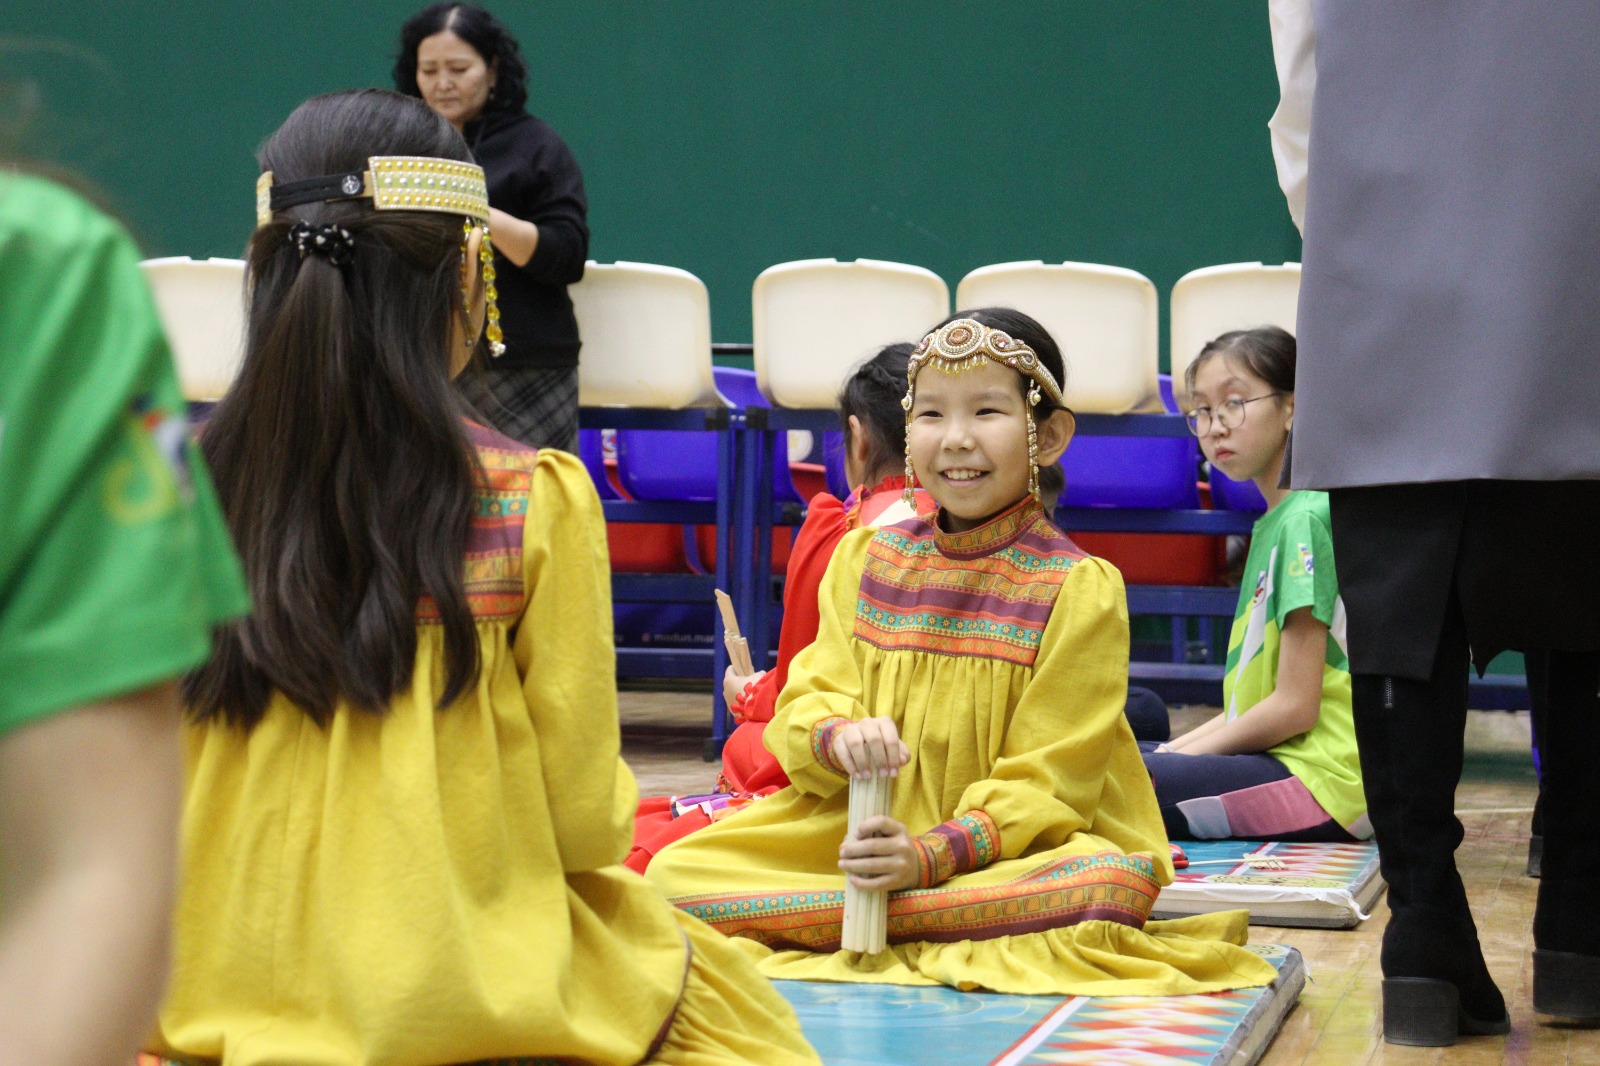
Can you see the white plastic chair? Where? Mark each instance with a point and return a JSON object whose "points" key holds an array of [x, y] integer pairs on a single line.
{"points": [[1214, 300], [1106, 320], [814, 320], [201, 303], [646, 333]]}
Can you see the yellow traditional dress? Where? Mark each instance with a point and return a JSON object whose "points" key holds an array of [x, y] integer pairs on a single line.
{"points": [[441, 886], [1001, 653]]}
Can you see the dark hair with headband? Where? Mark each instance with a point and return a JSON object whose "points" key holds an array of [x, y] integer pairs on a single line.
{"points": [[1027, 329], [340, 456], [487, 37], [872, 394]]}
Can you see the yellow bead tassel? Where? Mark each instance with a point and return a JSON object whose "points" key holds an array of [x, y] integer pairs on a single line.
{"points": [[491, 296], [497, 339]]}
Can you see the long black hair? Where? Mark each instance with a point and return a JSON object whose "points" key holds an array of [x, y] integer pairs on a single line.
{"points": [[873, 394], [487, 37], [340, 455]]}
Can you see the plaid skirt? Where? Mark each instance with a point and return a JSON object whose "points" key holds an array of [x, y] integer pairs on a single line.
{"points": [[535, 405]]}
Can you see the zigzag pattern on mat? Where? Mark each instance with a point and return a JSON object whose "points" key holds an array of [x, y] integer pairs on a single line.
{"points": [[1308, 865], [897, 1025]]}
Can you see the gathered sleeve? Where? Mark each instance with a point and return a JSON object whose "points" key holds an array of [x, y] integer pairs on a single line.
{"points": [[824, 690], [1067, 741], [567, 662]]}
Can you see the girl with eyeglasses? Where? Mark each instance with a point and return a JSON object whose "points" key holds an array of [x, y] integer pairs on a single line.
{"points": [[1280, 762]]}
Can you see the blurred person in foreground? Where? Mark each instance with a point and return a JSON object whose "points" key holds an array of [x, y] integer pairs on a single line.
{"points": [[114, 567]]}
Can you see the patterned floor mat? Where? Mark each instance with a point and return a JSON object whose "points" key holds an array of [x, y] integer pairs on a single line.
{"points": [[1329, 886], [892, 1025]]}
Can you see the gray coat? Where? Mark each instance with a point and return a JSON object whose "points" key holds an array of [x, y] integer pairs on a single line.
{"points": [[1449, 321]]}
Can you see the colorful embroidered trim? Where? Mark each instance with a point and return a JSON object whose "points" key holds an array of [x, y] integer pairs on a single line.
{"points": [[1106, 886], [915, 597], [999, 532], [822, 744], [959, 846], [493, 567]]}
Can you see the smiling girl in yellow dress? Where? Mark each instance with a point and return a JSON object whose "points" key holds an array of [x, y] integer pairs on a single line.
{"points": [[979, 658]]}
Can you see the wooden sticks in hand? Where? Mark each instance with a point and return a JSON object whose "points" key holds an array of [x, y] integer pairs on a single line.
{"points": [[866, 914], [738, 647]]}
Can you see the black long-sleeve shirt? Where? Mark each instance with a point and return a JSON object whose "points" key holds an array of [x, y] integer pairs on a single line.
{"points": [[533, 176]]}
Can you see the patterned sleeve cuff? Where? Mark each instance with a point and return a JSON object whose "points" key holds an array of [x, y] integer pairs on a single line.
{"points": [[822, 744], [959, 846]]}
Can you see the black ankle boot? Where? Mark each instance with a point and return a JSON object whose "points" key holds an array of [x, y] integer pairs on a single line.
{"points": [[1436, 985], [1567, 986], [1566, 930]]}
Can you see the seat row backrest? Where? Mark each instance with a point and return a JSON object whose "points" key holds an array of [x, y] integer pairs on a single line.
{"points": [[647, 329]]}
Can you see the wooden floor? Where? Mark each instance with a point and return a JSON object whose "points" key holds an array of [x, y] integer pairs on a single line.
{"points": [[1337, 1021]]}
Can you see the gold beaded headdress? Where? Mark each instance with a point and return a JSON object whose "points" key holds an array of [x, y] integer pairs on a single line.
{"points": [[966, 344], [403, 183]]}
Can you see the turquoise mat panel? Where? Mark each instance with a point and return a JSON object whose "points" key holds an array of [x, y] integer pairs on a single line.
{"points": [[895, 1025]]}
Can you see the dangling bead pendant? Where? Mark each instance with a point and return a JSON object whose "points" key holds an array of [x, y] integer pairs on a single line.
{"points": [[491, 297], [497, 338], [1033, 446], [468, 336], [909, 495]]}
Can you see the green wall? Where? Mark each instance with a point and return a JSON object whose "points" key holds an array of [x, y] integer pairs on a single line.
{"points": [[726, 135]]}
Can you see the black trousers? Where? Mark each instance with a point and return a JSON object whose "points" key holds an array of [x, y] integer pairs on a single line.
{"points": [[1432, 575]]}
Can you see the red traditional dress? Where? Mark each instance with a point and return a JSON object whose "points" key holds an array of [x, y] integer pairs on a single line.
{"points": [[748, 768]]}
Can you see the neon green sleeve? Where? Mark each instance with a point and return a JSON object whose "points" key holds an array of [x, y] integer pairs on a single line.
{"points": [[115, 563]]}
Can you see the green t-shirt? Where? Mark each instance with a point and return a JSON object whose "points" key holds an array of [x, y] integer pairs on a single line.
{"points": [[1290, 566], [115, 562]]}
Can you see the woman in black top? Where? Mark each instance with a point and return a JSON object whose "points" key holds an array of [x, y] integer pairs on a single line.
{"points": [[467, 67]]}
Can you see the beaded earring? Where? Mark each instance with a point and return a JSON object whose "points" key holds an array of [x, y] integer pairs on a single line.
{"points": [[496, 338], [909, 495], [1034, 396]]}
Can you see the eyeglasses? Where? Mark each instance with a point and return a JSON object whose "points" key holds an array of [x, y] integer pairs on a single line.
{"points": [[1229, 414]]}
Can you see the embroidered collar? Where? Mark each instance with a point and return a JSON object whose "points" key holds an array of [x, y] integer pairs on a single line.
{"points": [[999, 532]]}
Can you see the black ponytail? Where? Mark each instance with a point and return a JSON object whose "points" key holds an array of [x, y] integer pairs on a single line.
{"points": [[873, 394]]}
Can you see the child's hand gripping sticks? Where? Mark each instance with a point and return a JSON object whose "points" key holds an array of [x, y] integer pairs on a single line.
{"points": [[876, 848]]}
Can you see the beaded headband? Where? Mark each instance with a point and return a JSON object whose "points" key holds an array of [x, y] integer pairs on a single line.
{"points": [[396, 183], [391, 182], [966, 344]]}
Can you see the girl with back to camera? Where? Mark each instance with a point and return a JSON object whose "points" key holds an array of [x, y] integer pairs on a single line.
{"points": [[1280, 762], [979, 659], [405, 806]]}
